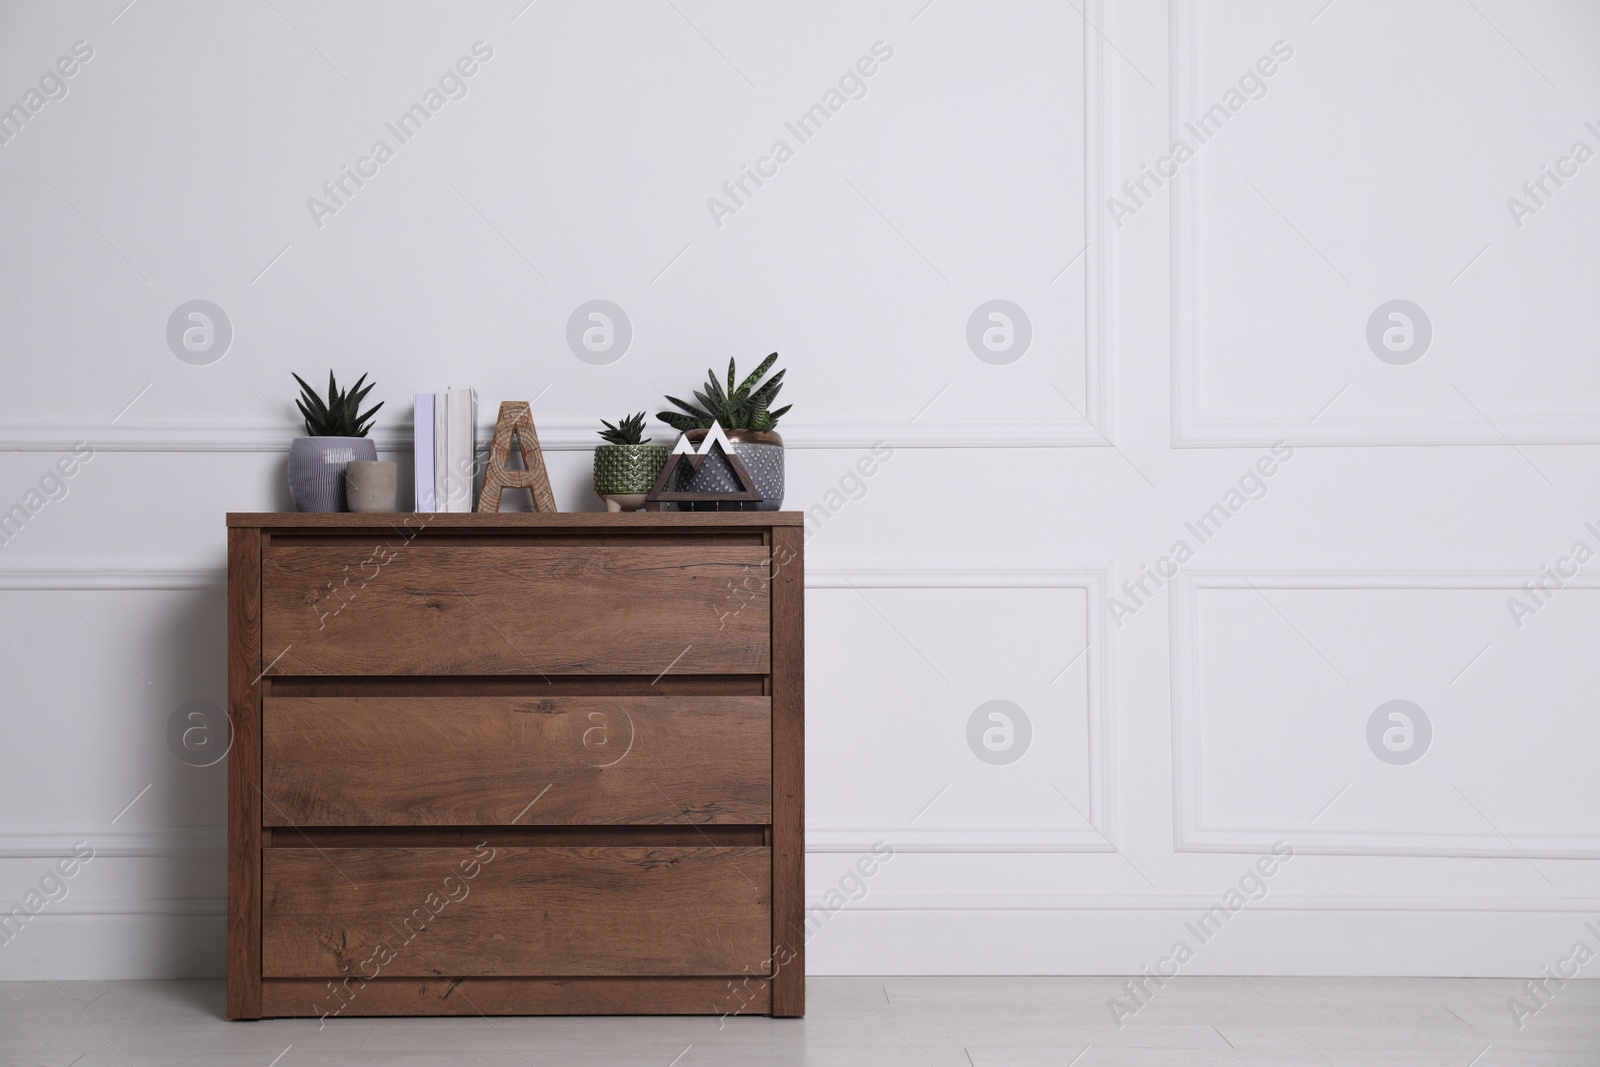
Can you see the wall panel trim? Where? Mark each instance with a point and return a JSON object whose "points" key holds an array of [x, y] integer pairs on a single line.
{"points": [[1192, 429], [1093, 430], [569, 435], [113, 842], [948, 574], [1192, 831]]}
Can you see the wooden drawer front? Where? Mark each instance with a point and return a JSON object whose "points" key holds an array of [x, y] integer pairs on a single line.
{"points": [[451, 607], [482, 761], [514, 911]]}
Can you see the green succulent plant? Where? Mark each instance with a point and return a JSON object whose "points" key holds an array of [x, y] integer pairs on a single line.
{"points": [[745, 407], [628, 431], [341, 415]]}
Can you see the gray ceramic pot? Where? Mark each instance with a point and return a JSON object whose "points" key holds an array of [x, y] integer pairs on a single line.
{"points": [[760, 452], [316, 469]]}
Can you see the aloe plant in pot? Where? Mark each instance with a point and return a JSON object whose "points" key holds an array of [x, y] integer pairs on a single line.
{"points": [[336, 434], [745, 411], [627, 465]]}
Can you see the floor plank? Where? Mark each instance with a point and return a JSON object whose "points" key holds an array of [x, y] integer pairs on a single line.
{"points": [[881, 1022]]}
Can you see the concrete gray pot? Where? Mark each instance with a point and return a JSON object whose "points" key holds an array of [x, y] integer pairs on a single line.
{"points": [[316, 469], [371, 485]]}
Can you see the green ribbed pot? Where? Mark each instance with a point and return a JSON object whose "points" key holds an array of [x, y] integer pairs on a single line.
{"points": [[627, 469]]}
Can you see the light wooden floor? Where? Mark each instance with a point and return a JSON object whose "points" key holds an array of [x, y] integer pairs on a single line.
{"points": [[884, 1022]]}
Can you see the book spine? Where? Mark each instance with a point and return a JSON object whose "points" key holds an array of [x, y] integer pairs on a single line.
{"points": [[457, 451], [422, 453], [441, 462], [471, 469], [450, 431]]}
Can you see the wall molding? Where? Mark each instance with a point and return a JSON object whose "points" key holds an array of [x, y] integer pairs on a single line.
{"points": [[935, 838], [156, 575], [112, 842], [1099, 410], [954, 574], [949, 574], [1191, 428], [1193, 833], [1383, 432], [1193, 903], [836, 574], [566, 435], [1098, 834], [1093, 430], [74, 907]]}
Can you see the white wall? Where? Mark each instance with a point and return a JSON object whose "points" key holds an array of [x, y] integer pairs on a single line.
{"points": [[1174, 737]]}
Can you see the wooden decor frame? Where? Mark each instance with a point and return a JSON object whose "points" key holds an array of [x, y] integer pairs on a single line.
{"points": [[683, 451], [515, 419]]}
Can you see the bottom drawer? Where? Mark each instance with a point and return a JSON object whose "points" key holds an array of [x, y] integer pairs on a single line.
{"points": [[515, 911]]}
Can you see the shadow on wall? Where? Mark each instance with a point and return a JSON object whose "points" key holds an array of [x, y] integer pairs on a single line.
{"points": [[190, 778], [278, 485]]}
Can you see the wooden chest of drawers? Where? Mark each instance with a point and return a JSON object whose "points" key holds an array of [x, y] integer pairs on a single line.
{"points": [[515, 764]]}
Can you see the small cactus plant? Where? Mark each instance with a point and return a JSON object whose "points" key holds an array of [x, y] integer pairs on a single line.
{"points": [[627, 431], [627, 465], [745, 407], [341, 415]]}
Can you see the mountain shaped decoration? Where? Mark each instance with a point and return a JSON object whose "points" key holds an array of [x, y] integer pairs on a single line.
{"points": [[685, 452]]}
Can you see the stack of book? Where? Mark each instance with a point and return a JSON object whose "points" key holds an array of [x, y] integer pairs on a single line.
{"points": [[446, 449]]}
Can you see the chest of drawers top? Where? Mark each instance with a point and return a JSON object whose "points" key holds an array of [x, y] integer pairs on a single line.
{"points": [[581, 594]]}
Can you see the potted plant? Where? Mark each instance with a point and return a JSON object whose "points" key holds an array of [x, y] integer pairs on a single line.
{"points": [[745, 412], [627, 465], [336, 433]]}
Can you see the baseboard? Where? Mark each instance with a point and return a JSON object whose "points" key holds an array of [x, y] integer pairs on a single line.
{"points": [[73, 944], [1335, 943]]}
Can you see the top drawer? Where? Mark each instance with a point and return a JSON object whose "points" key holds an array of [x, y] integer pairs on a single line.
{"points": [[456, 605]]}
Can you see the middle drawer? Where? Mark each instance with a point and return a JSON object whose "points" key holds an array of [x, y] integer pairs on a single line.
{"points": [[528, 761]]}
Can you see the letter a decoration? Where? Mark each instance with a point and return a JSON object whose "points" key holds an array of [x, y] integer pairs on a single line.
{"points": [[684, 452], [516, 420]]}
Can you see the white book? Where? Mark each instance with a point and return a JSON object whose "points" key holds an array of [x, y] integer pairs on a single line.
{"points": [[422, 453], [441, 466], [463, 452]]}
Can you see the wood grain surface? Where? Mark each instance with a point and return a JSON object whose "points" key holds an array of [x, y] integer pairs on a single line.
{"points": [[690, 835], [516, 420], [788, 772], [525, 911], [439, 761], [513, 996], [611, 706], [516, 520], [449, 607], [244, 774], [558, 685]]}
